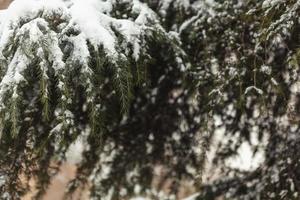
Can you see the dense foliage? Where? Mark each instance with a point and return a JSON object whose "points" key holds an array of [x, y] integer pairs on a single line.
{"points": [[246, 61], [106, 73], [151, 83]]}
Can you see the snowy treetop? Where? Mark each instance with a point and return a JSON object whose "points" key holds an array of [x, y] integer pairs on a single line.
{"points": [[96, 20], [44, 31]]}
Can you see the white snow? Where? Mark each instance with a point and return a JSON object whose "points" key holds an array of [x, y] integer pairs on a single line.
{"points": [[74, 153], [92, 18], [131, 31], [13, 74], [274, 81], [271, 3], [27, 22], [192, 197], [94, 24], [145, 14], [139, 198], [80, 51], [164, 6], [253, 88], [266, 69], [2, 16]]}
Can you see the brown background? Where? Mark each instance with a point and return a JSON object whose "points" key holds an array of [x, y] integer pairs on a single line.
{"points": [[4, 3]]}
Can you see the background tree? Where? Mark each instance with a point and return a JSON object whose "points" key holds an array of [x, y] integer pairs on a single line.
{"points": [[246, 61]]}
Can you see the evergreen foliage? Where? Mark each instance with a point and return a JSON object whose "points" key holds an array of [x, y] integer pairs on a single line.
{"points": [[103, 72], [147, 83], [246, 62]]}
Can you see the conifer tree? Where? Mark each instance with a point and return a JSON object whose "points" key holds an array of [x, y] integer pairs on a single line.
{"points": [[147, 83], [246, 62], [102, 72]]}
